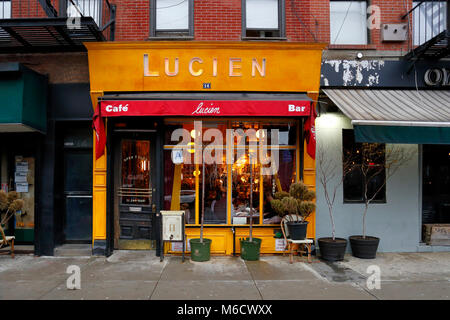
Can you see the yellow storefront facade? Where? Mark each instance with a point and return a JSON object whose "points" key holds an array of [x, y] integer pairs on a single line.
{"points": [[143, 92]]}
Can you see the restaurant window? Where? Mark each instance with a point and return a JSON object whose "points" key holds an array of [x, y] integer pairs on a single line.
{"points": [[228, 185], [348, 22], [263, 18], [85, 8], [366, 163], [5, 9], [135, 183], [429, 20], [172, 18]]}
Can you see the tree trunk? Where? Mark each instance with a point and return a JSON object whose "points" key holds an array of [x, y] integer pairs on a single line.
{"points": [[364, 219], [203, 201], [251, 201]]}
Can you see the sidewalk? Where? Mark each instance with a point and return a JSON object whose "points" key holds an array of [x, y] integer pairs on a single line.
{"points": [[140, 275]]}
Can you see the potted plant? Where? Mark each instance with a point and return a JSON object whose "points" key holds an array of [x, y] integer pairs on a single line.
{"points": [[295, 207], [376, 159], [9, 205], [250, 247], [331, 248], [201, 247]]}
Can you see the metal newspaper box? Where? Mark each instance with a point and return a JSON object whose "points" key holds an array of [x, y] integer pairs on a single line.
{"points": [[172, 229]]}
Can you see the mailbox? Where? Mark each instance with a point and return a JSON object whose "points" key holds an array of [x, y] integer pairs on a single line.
{"points": [[172, 222], [172, 229]]}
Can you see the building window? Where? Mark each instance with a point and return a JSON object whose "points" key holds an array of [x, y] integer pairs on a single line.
{"points": [[263, 18], [172, 18], [85, 8], [366, 169], [429, 20], [228, 185], [348, 22], [5, 9]]}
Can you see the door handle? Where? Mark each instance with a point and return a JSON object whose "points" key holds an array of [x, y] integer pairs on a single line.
{"points": [[154, 208], [77, 196]]}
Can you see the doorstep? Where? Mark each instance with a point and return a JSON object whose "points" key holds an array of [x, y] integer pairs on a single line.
{"points": [[73, 250], [20, 249], [423, 247]]}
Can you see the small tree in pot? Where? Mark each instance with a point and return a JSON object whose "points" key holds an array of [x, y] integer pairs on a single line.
{"points": [[331, 248], [250, 247], [9, 205], [378, 162], [295, 207]]}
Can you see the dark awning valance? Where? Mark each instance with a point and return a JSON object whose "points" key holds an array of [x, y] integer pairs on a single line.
{"points": [[23, 99], [396, 116]]}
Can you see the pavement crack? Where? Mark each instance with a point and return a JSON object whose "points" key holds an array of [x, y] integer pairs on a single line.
{"points": [[160, 276], [254, 282]]}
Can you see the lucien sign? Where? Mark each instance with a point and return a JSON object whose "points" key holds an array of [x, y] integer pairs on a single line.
{"points": [[198, 66]]}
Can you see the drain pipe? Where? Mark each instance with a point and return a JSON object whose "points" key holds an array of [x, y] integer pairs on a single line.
{"points": [[234, 241]]}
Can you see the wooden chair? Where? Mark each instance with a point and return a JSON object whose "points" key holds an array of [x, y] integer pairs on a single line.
{"points": [[5, 242], [301, 246]]}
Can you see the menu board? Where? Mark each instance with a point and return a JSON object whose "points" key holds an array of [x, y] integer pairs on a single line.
{"points": [[21, 175]]}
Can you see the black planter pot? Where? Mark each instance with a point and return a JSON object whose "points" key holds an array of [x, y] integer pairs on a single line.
{"points": [[364, 248], [297, 229], [332, 250]]}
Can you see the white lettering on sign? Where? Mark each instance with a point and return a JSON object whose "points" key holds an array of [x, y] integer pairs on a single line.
{"points": [[437, 77], [119, 108], [206, 110], [195, 67], [294, 108]]}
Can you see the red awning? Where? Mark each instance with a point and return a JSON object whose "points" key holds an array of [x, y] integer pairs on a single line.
{"points": [[207, 105], [210, 108]]}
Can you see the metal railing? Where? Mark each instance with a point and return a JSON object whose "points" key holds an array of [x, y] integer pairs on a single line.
{"points": [[102, 11], [428, 19]]}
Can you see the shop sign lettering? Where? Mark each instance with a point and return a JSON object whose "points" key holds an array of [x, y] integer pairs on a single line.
{"points": [[294, 108], [119, 108], [202, 110], [198, 66], [437, 77]]}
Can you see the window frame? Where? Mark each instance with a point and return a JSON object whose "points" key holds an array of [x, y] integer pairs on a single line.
{"points": [[417, 34], [368, 42], [383, 198], [98, 13], [176, 33], [281, 23], [297, 166], [2, 4]]}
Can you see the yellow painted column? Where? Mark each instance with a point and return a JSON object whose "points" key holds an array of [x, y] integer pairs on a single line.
{"points": [[309, 173], [175, 200], [98, 185]]}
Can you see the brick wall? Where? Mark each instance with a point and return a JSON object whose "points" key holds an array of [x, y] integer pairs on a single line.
{"points": [[306, 20], [59, 67]]}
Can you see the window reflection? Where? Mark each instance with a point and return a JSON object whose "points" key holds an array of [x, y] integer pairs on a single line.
{"points": [[179, 186], [215, 193], [241, 189], [183, 180], [281, 181], [135, 180]]}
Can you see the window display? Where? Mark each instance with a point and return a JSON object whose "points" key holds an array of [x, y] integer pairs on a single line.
{"points": [[228, 148]]}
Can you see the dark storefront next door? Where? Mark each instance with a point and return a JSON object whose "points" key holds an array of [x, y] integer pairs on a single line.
{"points": [[134, 191], [436, 184], [78, 195]]}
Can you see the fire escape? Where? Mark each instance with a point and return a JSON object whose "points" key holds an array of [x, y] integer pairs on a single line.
{"points": [[38, 26], [429, 22]]}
